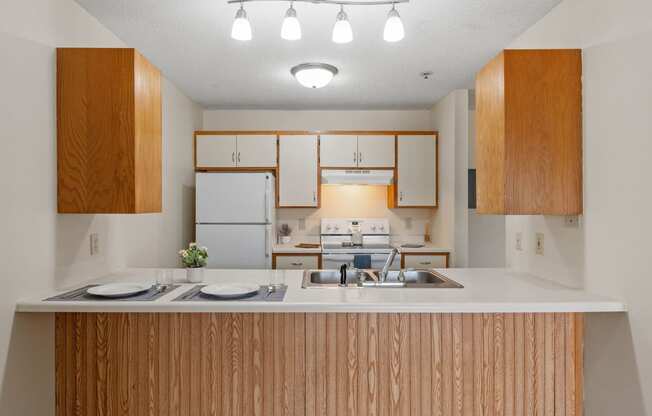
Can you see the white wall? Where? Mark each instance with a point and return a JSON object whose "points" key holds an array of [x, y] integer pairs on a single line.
{"points": [[609, 253], [450, 225], [40, 250]]}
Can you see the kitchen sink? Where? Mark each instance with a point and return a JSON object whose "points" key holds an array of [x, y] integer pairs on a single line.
{"points": [[370, 278]]}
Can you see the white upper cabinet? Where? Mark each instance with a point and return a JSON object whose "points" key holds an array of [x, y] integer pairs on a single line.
{"points": [[230, 151], [216, 151], [376, 151], [338, 151], [256, 151], [417, 171], [298, 173]]}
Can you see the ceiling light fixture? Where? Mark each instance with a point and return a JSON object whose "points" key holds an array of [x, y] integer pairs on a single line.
{"points": [[241, 29], [291, 28], [314, 75], [394, 30], [342, 31]]}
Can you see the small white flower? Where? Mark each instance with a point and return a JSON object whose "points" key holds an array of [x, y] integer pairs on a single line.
{"points": [[204, 248], [192, 245]]}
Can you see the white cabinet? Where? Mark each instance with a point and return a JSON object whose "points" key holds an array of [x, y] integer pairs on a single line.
{"points": [[364, 151], [215, 151], [298, 173], [425, 261], [298, 262], [338, 151], [231, 151], [256, 151], [417, 171], [376, 151]]}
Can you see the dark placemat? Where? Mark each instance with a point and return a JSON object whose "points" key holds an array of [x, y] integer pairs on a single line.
{"points": [[194, 294], [79, 295]]}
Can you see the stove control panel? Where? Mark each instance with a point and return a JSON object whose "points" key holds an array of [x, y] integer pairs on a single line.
{"points": [[341, 226]]}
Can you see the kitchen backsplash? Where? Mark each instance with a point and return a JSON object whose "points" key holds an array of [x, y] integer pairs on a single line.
{"points": [[356, 201]]}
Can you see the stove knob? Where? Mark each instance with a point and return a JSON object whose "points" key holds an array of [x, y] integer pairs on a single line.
{"points": [[328, 228], [373, 228], [382, 228], [337, 227]]}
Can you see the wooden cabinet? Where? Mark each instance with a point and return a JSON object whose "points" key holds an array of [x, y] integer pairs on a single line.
{"points": [[529, 133], [235, 151], [108, 132], [298, 173], [287, 261], [357, 151], [424, 260], [416, 170]]}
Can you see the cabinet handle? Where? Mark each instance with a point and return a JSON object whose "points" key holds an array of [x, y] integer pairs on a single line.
{"points": [[360, 157], [238, 157], [355, 157], [400, 196], [314, 196], [297, 264], [233, 157], [424, 263]]}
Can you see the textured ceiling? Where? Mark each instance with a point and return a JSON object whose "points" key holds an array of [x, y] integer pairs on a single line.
{"points": [[190, 42]]}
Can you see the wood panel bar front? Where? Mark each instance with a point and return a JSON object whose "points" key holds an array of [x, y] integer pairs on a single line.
{"points": [[318, 364]]}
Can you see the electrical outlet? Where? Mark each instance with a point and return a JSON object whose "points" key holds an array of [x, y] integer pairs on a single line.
{"points": [[94, 241], [519, 241], [408, 223], [539, 244], [572, 221]]}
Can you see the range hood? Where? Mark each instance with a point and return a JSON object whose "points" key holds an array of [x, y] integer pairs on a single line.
{"points": [[357, 177]]}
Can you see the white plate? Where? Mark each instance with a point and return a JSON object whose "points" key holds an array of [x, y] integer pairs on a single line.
{"points": [[234, 290], [118, 290]]}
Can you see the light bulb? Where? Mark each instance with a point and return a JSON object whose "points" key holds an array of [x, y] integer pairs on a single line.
{"points": [[241, 29], [342, 32], [291, 28], [394, 30]]}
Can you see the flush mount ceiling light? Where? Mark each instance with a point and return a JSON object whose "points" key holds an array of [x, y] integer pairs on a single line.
{"points": [[342, 30], [314, 75]]}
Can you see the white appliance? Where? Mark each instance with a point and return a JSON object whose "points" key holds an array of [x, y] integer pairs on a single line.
{"points": [[338, 247], [357, 177], [234, 216]]}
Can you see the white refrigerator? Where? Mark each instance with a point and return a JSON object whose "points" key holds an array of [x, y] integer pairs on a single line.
{"points": [[234, 216]]}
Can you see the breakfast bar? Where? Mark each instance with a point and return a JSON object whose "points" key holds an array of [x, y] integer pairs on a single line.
{"points": [[506, 343]]}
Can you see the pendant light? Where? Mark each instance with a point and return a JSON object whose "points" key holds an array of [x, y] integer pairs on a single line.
{"points": [[342, 32], [314, 75], [291, 28], [241, 29], [394, 30]]}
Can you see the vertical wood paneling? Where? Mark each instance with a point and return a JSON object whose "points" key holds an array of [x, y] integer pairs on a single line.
{"points": [[318, 364]]}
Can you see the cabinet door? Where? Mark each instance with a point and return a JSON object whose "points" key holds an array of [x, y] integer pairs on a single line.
{"points": [[376, 151], [417, 171], [298, 171], [215, 151], [256, 151], [338, 151]]}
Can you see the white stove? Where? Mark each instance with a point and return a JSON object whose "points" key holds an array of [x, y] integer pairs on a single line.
{"points": [[338, 247]]}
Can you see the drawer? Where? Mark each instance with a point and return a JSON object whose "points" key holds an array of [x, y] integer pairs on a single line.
{"points": [[298, 262], [425, 261]]}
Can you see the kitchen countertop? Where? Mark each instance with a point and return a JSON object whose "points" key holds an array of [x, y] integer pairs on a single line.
{"points": [[427, 248], [291, 249], [485, 290]]}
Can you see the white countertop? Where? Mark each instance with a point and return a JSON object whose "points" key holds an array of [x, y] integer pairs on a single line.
{"points": [[485, 290], [427, 248], [291, 249]]}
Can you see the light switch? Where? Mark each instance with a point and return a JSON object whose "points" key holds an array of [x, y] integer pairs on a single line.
{"points": [[519, 241], [94, 241], [539, 244]]}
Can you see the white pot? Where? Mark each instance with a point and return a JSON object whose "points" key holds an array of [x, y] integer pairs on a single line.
{"points": [[286, 239], [195, 274]]}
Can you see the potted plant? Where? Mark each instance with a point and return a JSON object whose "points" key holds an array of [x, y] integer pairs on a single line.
{"points": [[194, 260], [284, 232]]}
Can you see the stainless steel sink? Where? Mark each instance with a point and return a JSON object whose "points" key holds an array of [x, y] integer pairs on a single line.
{"points": [[370, 278]]}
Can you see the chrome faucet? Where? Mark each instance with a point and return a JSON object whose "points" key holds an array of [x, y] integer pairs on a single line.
{"points": [[388, 263]]}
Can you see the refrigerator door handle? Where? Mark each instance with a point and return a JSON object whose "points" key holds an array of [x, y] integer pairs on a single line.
{"points": [[266, 241], [268, 206]]}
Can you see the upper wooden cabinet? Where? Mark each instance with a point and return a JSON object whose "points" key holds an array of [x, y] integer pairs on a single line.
{"points": [[108, 132], [228, 151], [357, 150], [529, 133]]}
